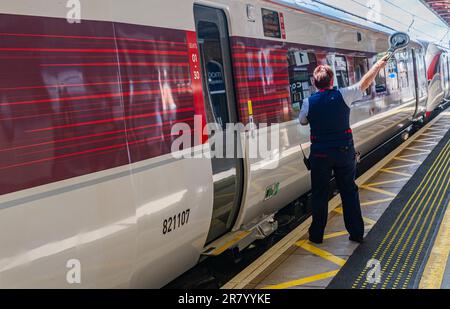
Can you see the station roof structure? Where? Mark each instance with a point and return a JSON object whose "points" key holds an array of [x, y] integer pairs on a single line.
{"points": [[440, 7]]}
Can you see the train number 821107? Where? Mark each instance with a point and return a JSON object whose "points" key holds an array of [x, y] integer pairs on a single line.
{"points": [[176, 222]]}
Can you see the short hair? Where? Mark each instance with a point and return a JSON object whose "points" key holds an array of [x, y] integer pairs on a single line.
{"points": [[323, 77]]}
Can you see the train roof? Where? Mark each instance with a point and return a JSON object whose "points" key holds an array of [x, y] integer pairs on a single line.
{"points": [[337, 14]]}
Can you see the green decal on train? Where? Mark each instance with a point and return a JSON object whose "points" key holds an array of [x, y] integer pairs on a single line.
{"points": [[272, 191]]}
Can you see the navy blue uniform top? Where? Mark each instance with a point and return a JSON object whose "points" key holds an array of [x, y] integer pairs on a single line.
{"points": [[328, 114]]}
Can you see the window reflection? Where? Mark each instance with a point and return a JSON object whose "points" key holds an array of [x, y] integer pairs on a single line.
{"points": [[301, 69], [341, 68]]}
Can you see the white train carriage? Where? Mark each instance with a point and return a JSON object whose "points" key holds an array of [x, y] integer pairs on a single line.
{"points": [[88, 181], [438, 75]]}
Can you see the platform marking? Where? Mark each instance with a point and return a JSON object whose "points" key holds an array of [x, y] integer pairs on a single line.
{"points": [[230, 243], [433, 135], [302, 281], [417, 149], [377, 190], [428, 231], [306, 245], [386, 182], [335, 235], [429, 176], [397, 223], [386, 170], [390, 231], [436, 265], [396, 167], [369, 221], [386, 200], [407, 160], [414, 236], [416, 154], [429, 139], [426, 143]]}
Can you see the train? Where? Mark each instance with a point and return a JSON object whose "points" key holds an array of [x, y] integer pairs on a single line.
{"points": [[92, 194]]}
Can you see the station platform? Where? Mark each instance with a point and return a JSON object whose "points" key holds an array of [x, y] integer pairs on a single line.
{"points": [[405, 202]]}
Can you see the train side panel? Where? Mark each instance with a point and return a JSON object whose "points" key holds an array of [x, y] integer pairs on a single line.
{"points": [[86, 169]]}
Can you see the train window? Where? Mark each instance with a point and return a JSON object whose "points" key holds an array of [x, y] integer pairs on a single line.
{"points": [[361, 66], [301, 69], [271, 23], [403, 69], [392, 74], [341, 68], [421, 68], [380, 79]]}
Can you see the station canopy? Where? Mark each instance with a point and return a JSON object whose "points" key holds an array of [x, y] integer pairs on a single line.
{"points": [[441, 8]]}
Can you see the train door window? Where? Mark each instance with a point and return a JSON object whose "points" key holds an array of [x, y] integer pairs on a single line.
{"points": [[392, 75], [380, 79], [402, 67], [361, 66], [301, 69], [448, 72], [422, 72], [214, 49], [341, 67]]}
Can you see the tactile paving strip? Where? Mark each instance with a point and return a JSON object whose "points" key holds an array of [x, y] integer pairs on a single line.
{"points": [[398, 246]]}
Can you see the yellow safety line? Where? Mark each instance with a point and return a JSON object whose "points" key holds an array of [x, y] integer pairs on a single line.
{"points": [[386, 182], [426, 143], [402, 216], [302, 281], [230, 243], [377, 190], [416, 154], [377, 202], [386, 170], [429, 139], [322, 253], [335, 235], [417, 149], [434, 271], [369, 221], [437, 130], [431, 134], [396, 167], [407, 160]]}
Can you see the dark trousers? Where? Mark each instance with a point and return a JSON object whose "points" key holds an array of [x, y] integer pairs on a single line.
{"points": [[341, 161]]}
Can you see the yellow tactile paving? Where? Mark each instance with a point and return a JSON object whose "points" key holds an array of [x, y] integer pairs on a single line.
{"points": [[434, 271], [395, 230]]}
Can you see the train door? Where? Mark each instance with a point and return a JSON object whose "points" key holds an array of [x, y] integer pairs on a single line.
{"points": [[214, 47]]}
